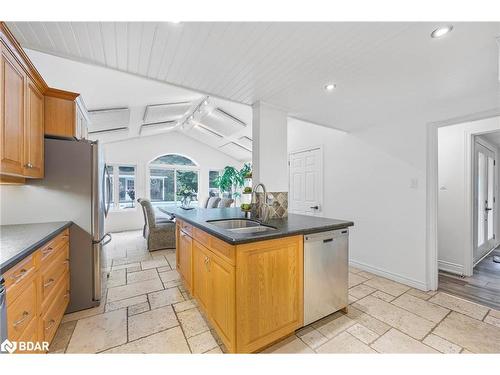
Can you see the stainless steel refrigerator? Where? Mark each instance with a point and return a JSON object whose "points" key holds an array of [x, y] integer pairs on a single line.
{"points": [[76, 187]]}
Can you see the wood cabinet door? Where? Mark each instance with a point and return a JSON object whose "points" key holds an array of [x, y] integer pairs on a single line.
{"points": [[269, 291], [12, 114], [222, 300], [185, 258], [201, 276], [33, 132]]}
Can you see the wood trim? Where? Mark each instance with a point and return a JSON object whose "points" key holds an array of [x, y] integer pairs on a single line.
{"points": [[11, 180], [61, 94], [11, 43]]}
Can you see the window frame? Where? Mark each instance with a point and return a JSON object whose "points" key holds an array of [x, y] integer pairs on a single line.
{"points": [[174, 168], [115, 207]]}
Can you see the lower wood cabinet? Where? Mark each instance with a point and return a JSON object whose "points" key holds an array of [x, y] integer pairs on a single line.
{"points": [[184, 257], [252, 294], [38, 292]]}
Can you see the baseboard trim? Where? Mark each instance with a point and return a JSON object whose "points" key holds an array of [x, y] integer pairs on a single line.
{"points": [[390, 275], [451, 267]]}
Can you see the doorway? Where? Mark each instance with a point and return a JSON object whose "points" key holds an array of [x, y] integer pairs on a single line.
{"points": [[306, 181], [485, 191], [467, 211]]}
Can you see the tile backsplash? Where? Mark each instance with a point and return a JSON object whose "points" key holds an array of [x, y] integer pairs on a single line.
{"points": [[278, 203]]}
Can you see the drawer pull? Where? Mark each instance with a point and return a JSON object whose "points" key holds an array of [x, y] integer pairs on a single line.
{"points": [[48, 250], [48, 283], [21, 273], [20, 321], [50, 325]]}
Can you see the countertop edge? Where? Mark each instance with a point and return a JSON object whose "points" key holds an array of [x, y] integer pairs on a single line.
{"points": [[31, 249], [242, 241]]}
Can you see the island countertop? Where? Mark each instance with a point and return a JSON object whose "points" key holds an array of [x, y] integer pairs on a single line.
{"points": [[17, 241], [292, 225]]}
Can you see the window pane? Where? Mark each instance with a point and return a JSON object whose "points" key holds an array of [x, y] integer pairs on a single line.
{"points": [[187, 180], [491, 186], [173, 159], [481, 198], [109, 193], [212, 176], [126, 180], [213, 190], [161, 185]]}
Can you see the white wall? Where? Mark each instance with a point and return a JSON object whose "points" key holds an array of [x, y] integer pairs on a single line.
{"points": [[140, 151], [367, 183], [269, 153], [453, 225]]}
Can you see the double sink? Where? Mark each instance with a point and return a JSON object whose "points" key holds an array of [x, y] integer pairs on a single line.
{"points": [[245, 226]]}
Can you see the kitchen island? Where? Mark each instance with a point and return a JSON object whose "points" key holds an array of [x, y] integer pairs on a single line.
{"points": [[248, 277]]}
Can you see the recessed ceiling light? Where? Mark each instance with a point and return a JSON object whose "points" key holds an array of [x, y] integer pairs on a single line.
{"points": [[330, 86], [441, 31], [176, 22]]}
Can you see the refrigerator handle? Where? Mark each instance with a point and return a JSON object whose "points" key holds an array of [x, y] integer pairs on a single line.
{"points": [[102, 239], [107, 199]]}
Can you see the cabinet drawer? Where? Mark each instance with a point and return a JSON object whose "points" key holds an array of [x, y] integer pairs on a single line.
{"points": [[30, 334], [54, 314], [51, 276], [18, 277], [50, 250], [21, 312], [217, 246]]}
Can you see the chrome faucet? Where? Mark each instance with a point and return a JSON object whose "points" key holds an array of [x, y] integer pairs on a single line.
{"points": [[262, 211]]}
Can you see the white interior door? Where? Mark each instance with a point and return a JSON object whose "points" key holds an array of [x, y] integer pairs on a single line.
{"points": [[306, 182], [484, 200]]}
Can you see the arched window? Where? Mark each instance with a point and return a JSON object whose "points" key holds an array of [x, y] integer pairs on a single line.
{"points": [[169, 175]]}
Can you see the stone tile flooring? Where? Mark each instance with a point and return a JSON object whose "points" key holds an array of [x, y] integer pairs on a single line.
{"points": [[147, 310]]}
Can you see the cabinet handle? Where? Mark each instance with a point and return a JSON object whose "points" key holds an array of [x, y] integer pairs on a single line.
{"points": [[51, 281], [50, 325], [25, 316], [48, 250], [67, 294], [28, 165], [21, 273]]}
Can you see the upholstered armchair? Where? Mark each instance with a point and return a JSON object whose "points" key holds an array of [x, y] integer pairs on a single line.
{"points": [[159, 235], [159, 220]]}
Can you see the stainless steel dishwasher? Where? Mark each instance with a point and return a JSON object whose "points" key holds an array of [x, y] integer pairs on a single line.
{"points": [[326, 273]]}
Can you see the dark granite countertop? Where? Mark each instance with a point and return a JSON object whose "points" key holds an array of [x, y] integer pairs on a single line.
{"points": [[20, 240], [293, 225]]}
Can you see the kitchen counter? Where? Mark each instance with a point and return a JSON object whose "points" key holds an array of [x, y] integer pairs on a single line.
{"points": [[20, 240], [293, 225]]}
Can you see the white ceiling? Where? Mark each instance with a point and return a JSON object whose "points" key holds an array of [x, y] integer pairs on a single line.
{"points": [[381, 69], [104, 89]]}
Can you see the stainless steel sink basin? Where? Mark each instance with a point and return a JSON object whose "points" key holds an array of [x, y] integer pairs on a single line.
{"points": [[241, 225]]}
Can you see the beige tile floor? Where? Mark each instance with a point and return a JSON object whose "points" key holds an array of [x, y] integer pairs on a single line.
{"points": [[147, 310]]}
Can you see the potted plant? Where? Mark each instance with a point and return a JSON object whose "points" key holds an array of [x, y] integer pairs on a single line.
{"points": [[231, 179]]}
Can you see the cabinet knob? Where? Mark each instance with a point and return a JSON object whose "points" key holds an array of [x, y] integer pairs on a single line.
{"points": [[28, 165]]}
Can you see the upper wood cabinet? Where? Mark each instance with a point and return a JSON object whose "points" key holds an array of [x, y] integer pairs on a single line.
{"points": [[65, 115], [34, 132], [21, 113], [29, 110], [12, 111]]}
